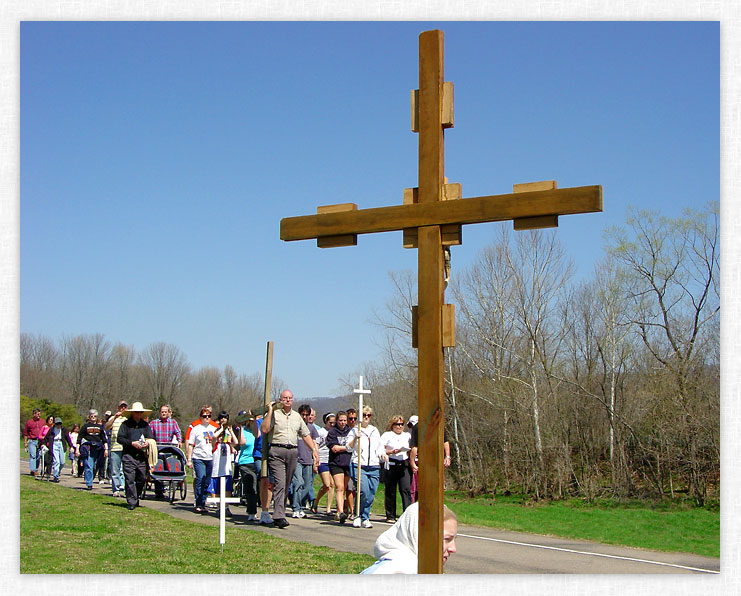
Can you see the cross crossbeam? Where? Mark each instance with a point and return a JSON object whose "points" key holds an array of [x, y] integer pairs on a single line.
{"points": [[559, 201]]}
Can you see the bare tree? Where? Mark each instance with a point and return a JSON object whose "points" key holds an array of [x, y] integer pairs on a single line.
{"points": [[165, 368], [39, 367], [86, 359], [673, 270]]}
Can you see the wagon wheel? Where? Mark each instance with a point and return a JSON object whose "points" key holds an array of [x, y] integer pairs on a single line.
{"points": [[183, 490], [144, 490], [171, 491]]}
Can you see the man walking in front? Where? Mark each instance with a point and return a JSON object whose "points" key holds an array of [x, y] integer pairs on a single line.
{"points": [[133, 435], [31, 434], [286, 426]]}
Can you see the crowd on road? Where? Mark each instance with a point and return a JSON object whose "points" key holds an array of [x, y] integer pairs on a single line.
{"points": [[121, 449]]}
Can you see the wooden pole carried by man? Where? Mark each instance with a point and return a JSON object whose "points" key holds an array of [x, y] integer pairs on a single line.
{"points": [[431, 219]]}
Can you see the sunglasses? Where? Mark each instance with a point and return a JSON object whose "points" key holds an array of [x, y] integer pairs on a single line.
{"points": [[205, 415], [367, 415], [351, 419], [398, 424]]}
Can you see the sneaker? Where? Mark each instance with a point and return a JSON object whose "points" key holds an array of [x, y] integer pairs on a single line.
{"points": [[356, 522], [342, 517], [251, 517], [281, 523], [367, 523], [265, 519], [296, 514], [101, 481], [390, 520], [55, 480], [227, 512]]}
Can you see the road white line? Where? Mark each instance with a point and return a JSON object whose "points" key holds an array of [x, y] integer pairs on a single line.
{"points": [[579, 552]]}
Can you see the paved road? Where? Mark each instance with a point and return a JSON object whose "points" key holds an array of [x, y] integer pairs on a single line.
{"points": [[480, 550]]}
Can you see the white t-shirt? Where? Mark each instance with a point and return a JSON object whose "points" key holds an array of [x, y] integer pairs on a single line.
{"points": [[370, 445], [222, 461], [322, 446], [201, 438], [391, 440]]}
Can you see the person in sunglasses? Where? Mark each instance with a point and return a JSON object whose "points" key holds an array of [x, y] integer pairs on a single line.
{"points": [[372, 455], [396, 443], [199, 457], [195, 423]]}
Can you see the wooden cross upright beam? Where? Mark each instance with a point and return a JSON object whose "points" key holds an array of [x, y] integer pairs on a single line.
{"points": [[531, 205]]}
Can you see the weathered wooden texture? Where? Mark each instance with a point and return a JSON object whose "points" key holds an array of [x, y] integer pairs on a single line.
{"points": [[561, 201], [431, 297]]}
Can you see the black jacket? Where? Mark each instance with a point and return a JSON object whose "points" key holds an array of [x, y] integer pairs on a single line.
{"points": [[131, 431]]}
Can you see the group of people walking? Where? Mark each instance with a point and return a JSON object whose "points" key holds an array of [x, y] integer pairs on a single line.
{"points": [[344, 452], [122, 448]]}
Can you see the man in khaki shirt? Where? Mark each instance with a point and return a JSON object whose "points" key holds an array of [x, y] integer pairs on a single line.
{"points": [[285, 426]]}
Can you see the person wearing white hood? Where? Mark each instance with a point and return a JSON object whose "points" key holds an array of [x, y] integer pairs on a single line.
{"points": [[396, 548]]}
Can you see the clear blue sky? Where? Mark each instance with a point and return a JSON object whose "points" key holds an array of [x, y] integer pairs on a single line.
{"points": [[157, 160]]}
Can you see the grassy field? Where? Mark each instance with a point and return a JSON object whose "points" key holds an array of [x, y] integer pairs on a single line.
{"points": [[83, 531], [672, 527], [92, 532]]}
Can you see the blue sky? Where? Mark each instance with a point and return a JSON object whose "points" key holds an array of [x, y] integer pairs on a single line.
{"points": [[157, 160]]}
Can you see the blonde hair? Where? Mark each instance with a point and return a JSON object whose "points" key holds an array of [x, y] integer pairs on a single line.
{"points": [[367, 410], [396, 418], [449, 514]]}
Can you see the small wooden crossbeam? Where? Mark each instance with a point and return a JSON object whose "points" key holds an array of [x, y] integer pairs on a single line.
{"points": [[338, 239], [562, 201], [447, 107], [534, 223], [448, 326]]}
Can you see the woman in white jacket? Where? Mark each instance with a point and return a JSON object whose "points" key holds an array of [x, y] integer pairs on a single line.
{"points": [[372, 454], [396, 548]]}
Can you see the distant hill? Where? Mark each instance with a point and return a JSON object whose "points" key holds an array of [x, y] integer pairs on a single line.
{"points": [[322, 405]]}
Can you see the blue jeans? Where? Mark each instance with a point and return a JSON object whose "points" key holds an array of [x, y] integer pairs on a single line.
{"points": [[303, 477], [368, 487], [33, 455], [94, 452], [117, 479], [202, 469], [58, 458]]}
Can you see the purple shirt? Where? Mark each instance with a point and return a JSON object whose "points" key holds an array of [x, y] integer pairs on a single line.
{"points": [[165, 430]]}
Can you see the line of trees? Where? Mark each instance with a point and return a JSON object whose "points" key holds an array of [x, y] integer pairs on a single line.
{"points": [[88, 371], [556, 387]]}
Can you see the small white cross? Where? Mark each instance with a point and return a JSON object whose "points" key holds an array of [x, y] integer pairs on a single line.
{"points": [[360, 389], [222, 500]]}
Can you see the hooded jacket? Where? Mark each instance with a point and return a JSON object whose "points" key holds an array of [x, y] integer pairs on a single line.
{"points": [[396, 548]]}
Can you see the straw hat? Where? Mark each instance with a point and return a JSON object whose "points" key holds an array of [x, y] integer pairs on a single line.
{"points": [[137, 407]]}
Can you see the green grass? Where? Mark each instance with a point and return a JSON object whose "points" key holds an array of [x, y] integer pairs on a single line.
{"points": [[71, 531], [671, 527], [667, 526]]}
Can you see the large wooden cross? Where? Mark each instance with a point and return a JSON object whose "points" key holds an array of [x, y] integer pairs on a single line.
{"points": [[431, 218]]}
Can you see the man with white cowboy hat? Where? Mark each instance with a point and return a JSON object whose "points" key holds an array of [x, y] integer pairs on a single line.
{"points": [[133, 435]]}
